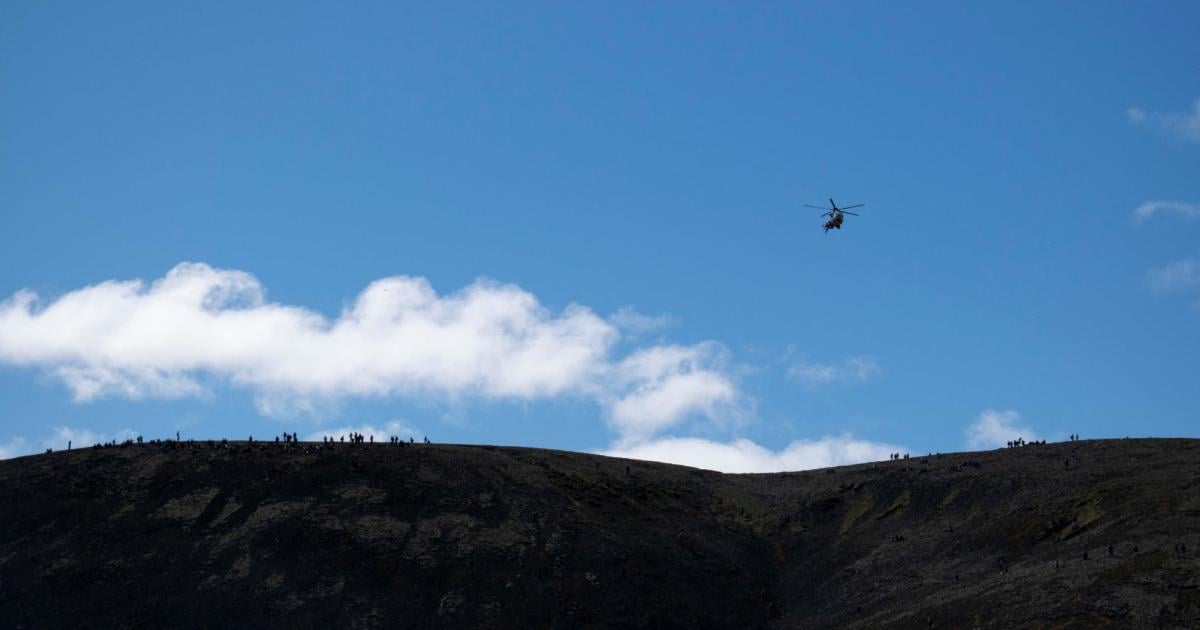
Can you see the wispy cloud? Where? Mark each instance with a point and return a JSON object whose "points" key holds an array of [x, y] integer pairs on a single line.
{"points": [[398, 338], [59, 439], [994, 429], [630, 321], [1176, 277], [745, 456], [853, 370], [1177, 208], [15, 447], [61, 436], [64, 436], [1185, 125]]}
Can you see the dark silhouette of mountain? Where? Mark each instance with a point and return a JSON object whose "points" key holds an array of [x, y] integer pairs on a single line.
{"points": [[1070, 535]]}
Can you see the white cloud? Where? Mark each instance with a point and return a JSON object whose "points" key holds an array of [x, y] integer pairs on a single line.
{"points": [[397, 338], [1178, 208], [855, 369], [397, 428], [994, 429], [15, 447], [665, 384], [1185, 125], [744, 456], [96, 381], [1178, 276]]}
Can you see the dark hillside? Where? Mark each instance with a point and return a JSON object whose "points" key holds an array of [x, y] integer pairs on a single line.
{"points": [[1080, 534]]}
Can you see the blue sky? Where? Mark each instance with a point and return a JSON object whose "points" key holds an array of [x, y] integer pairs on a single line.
{"points": [[628, 158]]}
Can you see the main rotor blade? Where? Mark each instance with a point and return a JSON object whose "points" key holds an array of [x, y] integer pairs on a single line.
{"points": [[854, 213], [857, 205], [817, 207]]}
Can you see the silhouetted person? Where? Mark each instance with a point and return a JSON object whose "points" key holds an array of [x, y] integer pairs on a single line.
{"points": [[68, 445]]}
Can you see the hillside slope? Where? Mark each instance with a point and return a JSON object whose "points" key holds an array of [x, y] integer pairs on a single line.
{"points": [[430, 536]]}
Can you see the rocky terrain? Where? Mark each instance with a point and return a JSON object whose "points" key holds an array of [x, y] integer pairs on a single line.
{"points": [[224, 535]]}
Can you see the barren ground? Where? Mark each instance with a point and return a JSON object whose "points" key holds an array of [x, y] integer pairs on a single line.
{"points": [[441, 536]]}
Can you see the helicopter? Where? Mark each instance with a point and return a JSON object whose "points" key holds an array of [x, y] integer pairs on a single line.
{"points": [[835, 214]]}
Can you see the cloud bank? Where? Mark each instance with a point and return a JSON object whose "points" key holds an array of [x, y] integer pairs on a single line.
{"points": [[397, 338], [398, 428], [744, 456], [994, 429]]}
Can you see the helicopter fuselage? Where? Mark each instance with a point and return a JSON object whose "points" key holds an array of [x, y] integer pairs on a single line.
{"points": [[836, 215]]}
